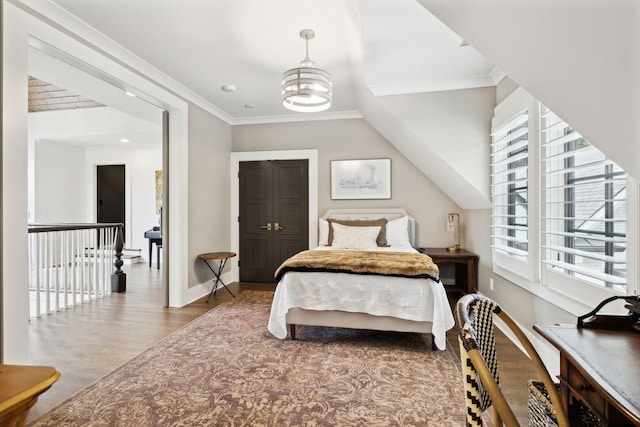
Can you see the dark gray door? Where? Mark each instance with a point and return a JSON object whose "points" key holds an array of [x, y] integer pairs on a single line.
{"points": [[274, 215], [110, 194]]}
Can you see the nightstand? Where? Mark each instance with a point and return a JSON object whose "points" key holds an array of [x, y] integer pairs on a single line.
{"points": [[466, 267]]}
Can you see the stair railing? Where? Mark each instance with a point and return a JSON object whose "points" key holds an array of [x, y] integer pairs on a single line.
{"points": [[71, 264]]}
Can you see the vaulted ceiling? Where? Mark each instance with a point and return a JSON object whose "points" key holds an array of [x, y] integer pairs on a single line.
{"points": [[393, 63]]}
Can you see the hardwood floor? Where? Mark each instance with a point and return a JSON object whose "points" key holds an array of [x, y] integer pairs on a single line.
{"points": [[89, 341]]}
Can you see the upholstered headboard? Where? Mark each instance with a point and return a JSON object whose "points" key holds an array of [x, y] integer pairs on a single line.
{"points": [[388, 213]]}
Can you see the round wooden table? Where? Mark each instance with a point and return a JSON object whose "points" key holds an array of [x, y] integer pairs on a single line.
{"points": [[209, 259], [20, 387]]}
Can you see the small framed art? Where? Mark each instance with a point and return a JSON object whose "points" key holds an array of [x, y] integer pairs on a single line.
{"points": [[361, 179]]}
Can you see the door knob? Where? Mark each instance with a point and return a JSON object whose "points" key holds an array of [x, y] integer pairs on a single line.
{"points": [[268, 226], [278, 226]]}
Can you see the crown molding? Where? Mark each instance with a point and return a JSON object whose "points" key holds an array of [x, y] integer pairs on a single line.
{"points": [[299, 117]]}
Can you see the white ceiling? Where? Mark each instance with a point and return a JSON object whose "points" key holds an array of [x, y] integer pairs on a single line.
{"points": [[386, 57], [388, 46]]}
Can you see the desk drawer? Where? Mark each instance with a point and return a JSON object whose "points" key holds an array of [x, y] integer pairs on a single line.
{"points": [[583, 389]]}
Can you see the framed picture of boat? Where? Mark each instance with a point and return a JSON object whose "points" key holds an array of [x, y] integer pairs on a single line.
{"points": [[361, 179]]}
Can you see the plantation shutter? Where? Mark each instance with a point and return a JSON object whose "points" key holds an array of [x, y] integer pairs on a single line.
{"points": [[510, 187], [583, 207]]}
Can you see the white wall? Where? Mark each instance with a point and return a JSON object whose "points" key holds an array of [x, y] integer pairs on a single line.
{"points": [[452, 130], [447, 137], [65, 186], [69, 144], [61, 190], [141, 164], [580, 59], [15, 298]]}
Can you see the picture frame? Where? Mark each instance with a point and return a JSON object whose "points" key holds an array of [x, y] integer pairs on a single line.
{"points": [[158, 181], [361, 179]]}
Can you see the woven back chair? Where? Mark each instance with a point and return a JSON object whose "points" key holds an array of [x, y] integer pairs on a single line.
{"points": [[474, 316]]}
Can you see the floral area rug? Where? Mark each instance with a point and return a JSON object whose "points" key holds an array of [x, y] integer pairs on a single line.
{"points": [[226, 369]]}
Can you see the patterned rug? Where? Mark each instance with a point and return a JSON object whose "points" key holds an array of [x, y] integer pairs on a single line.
{"points": [[226, 369]]}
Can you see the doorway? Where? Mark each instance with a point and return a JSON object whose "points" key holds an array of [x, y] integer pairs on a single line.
{"points": [[273, 215], [110, 195]]}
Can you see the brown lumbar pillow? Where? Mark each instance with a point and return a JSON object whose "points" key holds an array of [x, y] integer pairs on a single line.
{"points": [[382, 222]]}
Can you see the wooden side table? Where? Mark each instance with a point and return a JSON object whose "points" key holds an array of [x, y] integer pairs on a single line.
{"points": [[466, 267], [20, 387], [222, 258]]}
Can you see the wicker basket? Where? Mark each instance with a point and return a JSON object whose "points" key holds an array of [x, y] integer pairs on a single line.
{"points": [[542, 413], [540, 409], [588, 418]]}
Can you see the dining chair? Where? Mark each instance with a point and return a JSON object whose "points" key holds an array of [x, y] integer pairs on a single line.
{"points": [[474, 317]]}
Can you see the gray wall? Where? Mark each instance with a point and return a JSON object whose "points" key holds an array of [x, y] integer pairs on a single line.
{"points": [[209, 190], [356, 139]]}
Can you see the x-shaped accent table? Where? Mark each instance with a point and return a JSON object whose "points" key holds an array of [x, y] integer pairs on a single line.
{"points": [[222, 258]]}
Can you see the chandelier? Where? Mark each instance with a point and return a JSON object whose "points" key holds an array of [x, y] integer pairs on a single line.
{"points": [[306, 89]]}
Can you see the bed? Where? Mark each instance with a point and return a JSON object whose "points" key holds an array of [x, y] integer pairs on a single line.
{"points": [[331, 297]]}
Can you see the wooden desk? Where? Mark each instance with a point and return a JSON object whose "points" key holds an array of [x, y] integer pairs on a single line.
{"points": [[599, 369], [466, 267], [20, 387]]}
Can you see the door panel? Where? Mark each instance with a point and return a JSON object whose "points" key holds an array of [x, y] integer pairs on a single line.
{"points": [[255, 206], [257, 244], [256, 258], [272, 192], [292, 207], [293, 236], [291, 184], [110, 194]]}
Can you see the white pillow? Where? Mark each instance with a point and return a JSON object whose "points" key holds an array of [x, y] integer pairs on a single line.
{"points": [[323, 232], [398, 232], [361, 238]]}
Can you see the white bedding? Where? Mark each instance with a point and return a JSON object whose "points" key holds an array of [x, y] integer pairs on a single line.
{"points": [[405, 298]]}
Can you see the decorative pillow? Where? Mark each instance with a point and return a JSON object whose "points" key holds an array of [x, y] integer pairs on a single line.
{"points": [[361, 238], [380, 222], [398, 232], [323, 232]]}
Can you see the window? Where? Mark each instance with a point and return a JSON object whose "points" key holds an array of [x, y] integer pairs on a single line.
{"points": [[562, 212], [584, 208], [509, 181], [514, 194]]}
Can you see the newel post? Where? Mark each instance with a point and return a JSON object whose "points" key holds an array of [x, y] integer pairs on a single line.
{"points": [[118, 278]]}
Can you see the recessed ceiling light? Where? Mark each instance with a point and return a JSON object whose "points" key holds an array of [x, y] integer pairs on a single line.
{"points": [[124, 140], [130, 94], [229, 88]]}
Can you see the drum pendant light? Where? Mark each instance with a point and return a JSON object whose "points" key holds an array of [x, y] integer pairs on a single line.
{"points": [[306, 89]]}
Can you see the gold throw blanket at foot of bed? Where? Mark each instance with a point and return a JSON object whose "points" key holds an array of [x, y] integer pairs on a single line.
{"points": [[399, 264]]}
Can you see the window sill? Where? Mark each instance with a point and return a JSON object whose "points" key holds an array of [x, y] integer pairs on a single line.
{"points": [[562, 301]]}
